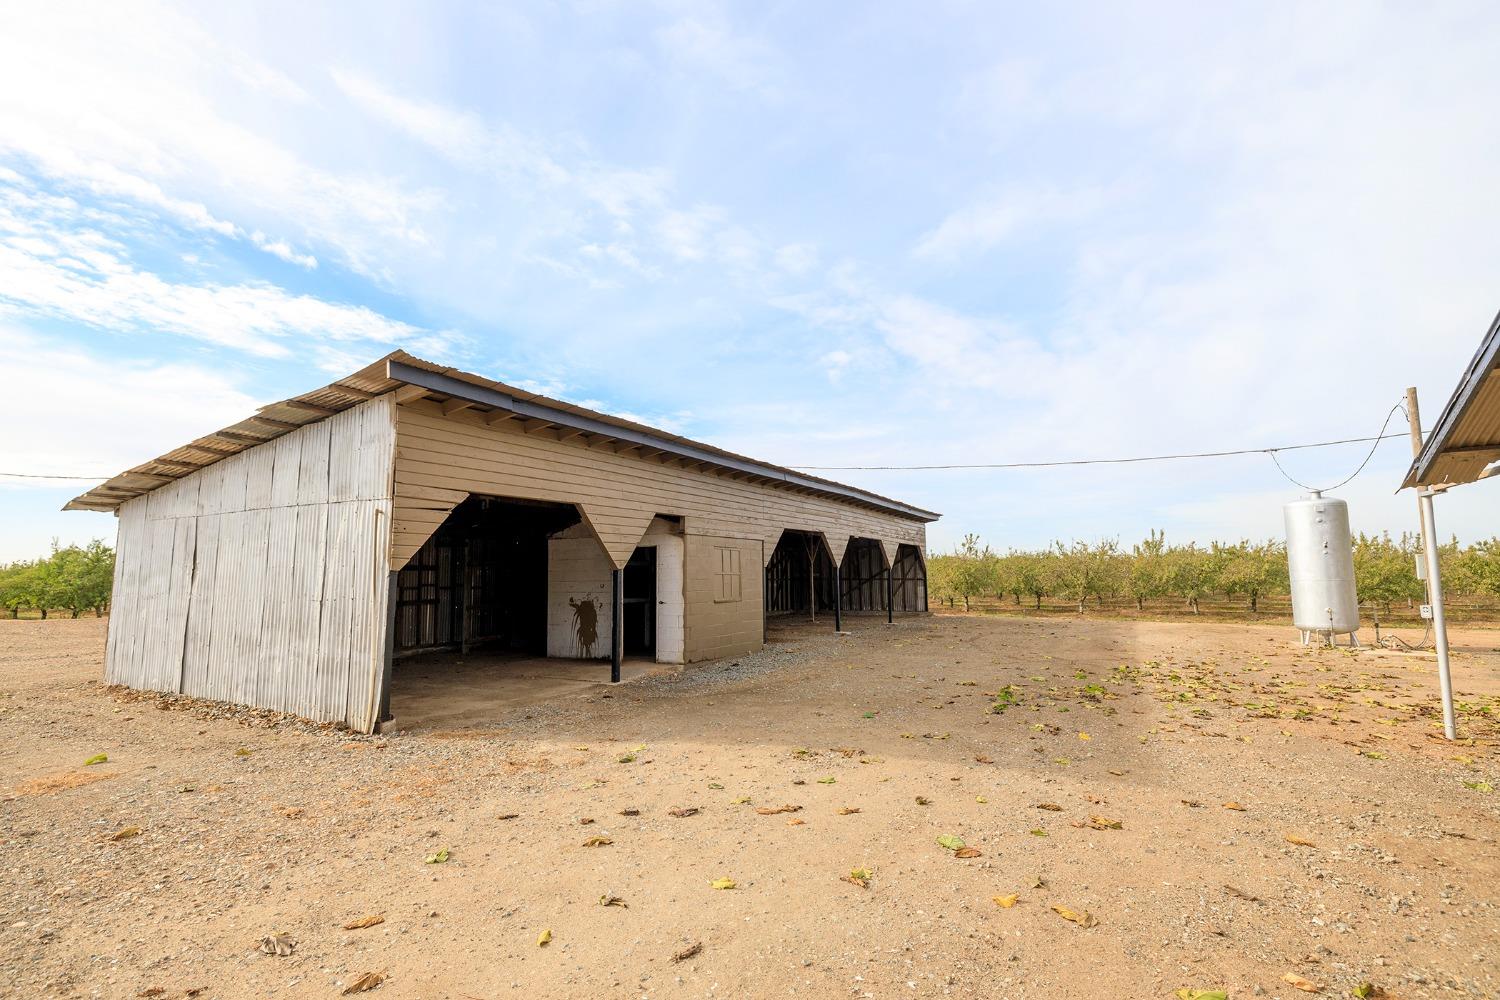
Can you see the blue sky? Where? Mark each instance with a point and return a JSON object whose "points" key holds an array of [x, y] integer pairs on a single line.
{"points": [[818, 234]]}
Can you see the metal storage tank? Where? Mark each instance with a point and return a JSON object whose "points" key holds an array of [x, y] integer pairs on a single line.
{"points": [[1320, 561]]}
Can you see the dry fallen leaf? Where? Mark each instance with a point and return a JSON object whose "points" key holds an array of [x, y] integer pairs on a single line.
{"points": [[281, 945], [683, 813], [544, 939], [688, 952], [1103, 823], [724, 883], [126, 833], [1297, 982], [1292, 838], [1083, 919], [1235, 806], [608, 900], [777, 810], [597, 842], [1006, 902], [848, 810], [1187, 994], [363, 922], [968, 852], [1241, 893], [1050, 806], [860, 877], [367, 981], [796, 822]]}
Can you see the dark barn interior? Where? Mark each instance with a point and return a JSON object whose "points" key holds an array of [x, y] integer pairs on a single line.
{"points": [[481, 579]]}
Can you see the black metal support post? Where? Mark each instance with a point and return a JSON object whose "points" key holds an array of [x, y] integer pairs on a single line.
{"points": [[890, 595], [838, 599], [616, 625]]}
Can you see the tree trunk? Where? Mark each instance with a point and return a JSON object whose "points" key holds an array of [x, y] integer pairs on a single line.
{"points": [[1254, 603], [966, 602], [1080, 604], [75, 613], [98, 611], [1140, 605], [1193, 602], [44, 613]]}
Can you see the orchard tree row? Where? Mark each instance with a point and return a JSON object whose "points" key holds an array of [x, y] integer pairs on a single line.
{"points": [[69, 579], [1151, 570]]}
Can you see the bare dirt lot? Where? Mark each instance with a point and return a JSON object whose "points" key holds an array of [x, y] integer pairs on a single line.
{"points": [[1216, 808]]}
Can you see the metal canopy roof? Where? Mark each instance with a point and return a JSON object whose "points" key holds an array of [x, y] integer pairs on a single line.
{"points": [[415, 378], [1464, 445]]}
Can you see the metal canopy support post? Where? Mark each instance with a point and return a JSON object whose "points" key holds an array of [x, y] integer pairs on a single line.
{"points": [[1439, 622], [616, 625], [890, 593], [838, 599]]}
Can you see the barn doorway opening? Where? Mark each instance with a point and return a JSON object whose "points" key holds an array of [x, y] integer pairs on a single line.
{"points": [[639, 613], [480, 581], [799, 576]]}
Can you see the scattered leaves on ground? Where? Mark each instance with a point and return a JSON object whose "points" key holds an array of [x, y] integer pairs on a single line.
{"points": [[685, 812], [1082, 918], [365, 982], [968, 852], [777, 810], [860, 877], [688, 952], [848, 810], [1292, 838], [545, 938], [1006, 902], [1297, 982], [280, 945], [437, 857], [608, 900], [126, 833], [950, 841], [724, 883], [597, 841], [98, 758], [363, 922]]}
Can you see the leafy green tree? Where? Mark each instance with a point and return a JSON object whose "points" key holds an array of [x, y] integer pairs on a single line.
{"points": [[1192, 571], [1085, 570], [1149, 576]]}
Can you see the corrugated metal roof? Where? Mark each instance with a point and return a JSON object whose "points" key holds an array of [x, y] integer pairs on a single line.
{"points": [[1465, 441], [275, 419]]}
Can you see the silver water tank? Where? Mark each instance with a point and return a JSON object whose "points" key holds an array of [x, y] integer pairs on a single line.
{"points": [[1320, 560]]}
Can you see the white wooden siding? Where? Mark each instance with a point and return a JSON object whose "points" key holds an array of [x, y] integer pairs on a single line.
{"points": [[261, 579]]}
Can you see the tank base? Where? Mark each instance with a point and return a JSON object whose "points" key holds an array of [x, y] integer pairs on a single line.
{"points": [[1329, 638]]}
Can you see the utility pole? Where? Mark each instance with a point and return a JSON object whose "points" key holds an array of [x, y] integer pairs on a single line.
{"points": [[1434, 571]]}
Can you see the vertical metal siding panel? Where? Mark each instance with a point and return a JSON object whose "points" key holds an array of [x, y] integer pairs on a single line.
{"points": [[312, 479], [249, 666], [260, 463], [276, 608], [285, 468], [178, 597], [223, 658], [333, 647], [306, 593], [200, 622], [123, 623]]}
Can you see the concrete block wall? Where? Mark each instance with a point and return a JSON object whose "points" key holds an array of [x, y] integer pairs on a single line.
{"points": [[671, 632], [716, 627], [578, 596]]}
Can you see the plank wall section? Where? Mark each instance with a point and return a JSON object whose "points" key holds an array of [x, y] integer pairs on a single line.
{"points": [[442, 459], [260, 579]]}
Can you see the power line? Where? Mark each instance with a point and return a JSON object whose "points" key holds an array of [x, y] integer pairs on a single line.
{"points": [[1330, 489], [1105, 461], [1016, 465]]}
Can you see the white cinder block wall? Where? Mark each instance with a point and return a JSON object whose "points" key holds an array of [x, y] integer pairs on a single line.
{"points": [[670, 635], [579, 592]]}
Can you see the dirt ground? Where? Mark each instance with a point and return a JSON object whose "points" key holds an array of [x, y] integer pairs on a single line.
{"points": [[1281, 812]]}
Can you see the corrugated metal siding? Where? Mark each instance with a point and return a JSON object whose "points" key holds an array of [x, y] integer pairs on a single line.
{"points": [[261, 579]]}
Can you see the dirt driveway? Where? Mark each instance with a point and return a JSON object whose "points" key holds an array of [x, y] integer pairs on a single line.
{"points": [[1215, 807]]}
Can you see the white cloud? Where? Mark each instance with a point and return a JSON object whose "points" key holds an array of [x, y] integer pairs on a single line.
{"points": [[283, 250], [53, 264], [103, 415], [993, 220]]}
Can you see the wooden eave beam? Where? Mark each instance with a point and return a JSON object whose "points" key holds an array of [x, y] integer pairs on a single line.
{"points": [[302, 404], [281, 425], [452, 406], [498, 417]]}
